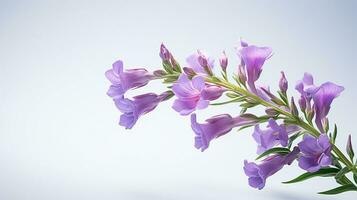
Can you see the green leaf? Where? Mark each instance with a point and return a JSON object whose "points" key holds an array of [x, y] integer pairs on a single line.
{"points": [[244, 127], [248, 105], [294, 137], [276, 150], [284, 98], [324, 172], [355, 178], [238, 99], [167, 66], [341, 189], [342, 172], [243, 110], [232, 95], [334, 134]]}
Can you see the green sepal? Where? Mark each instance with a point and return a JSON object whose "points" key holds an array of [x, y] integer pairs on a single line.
{"points": [[248, 105], [341, 189], [167, 66], [276, 150], [293, 138], [324, 172], [232, 95], [284, 98]]}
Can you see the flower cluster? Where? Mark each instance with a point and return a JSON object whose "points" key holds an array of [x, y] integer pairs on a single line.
{"points": [[285, 133]]}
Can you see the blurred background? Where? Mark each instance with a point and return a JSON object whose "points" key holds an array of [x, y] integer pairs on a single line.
{"points": [[59, 132]]}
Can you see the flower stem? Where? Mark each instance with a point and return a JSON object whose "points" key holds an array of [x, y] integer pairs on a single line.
{"points": [[298, 121]]}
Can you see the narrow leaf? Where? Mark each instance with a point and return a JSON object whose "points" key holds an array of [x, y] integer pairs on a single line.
{"points": [[341, 189], [324, 172], [342, 172], [334, 134], [276, 150]]}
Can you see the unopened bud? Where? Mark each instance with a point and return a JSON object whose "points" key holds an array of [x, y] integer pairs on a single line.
{"points": [[241, 74], [159, 73], [189, 72], [349, 148], [223, 61], [164, 53], [302, 104], [293, 108], [202, 59], [283, 83], [271, 112]]}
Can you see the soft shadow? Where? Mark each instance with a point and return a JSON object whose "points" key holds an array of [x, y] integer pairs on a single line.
{"points": [[291, 196]]}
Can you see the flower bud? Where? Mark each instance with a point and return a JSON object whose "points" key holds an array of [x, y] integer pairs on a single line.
{"points": [[349, 148], [302, 104], [164, 53], [310, 114], [189, 72], [176, 67], [202, 59], [325, 124], [241, 74], [223, 61], [293, 108], [283, 83], [271, 112], [159, 73]]}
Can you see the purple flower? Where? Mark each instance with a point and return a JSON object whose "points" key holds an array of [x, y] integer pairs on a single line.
{"points": [[273, 135], [316, 153], [257, 174], [323, 98], [140, 105], [306, 88], [211, 92], [215, 127], [189, 94], [122, 80], [253, 58], [197, 62], [193, 94]]}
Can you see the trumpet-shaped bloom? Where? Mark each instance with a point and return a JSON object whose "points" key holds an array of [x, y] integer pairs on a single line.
{"points": [[257, 174], [316, 153], [323, 98], [193, 94], [306, 88], [273, 135], [140, 105], [215, 127], [252, 59], [122, 80]]}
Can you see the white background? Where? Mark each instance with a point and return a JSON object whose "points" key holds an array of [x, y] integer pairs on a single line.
{"points": [[59, 137]]}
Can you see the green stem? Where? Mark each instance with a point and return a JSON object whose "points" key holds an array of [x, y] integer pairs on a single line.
{"points": [[309, 128], [314, 132]]}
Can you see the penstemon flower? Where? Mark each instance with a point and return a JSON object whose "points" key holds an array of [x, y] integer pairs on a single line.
{"points": [[259, 173], [316, 153], [273, 135], [285, 132], [140, 105], [215, 127], [122, 80]]}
